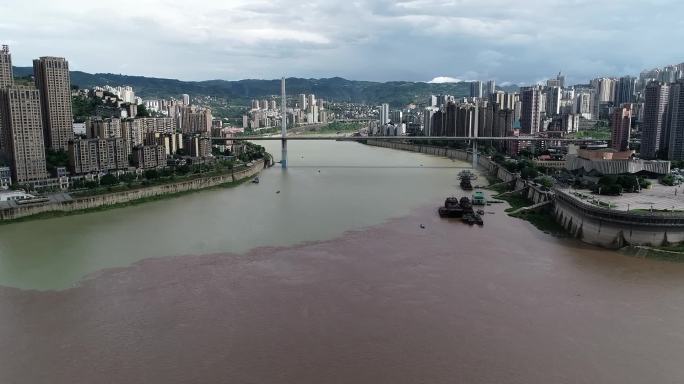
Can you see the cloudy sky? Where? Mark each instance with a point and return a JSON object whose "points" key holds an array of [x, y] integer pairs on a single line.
{"points": [[520, 41]]}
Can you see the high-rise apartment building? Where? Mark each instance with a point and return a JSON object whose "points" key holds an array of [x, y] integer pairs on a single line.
{"points": [[675, 121], [654, 128], [149, 156], [54, 84], [530, 110], [605, 89], [302, 102], [22, 133], [104, 128], [186, 99], [476, 89], [311, 102], [621, 124], [553, 101], [6, 76], [583, 104], [561, 80], [625, 90], [396, 116], [384, 114], [427, 120], [491, 88], [197, 120], [98, 155]]}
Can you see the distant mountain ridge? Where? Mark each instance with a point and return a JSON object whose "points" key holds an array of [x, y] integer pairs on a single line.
{"points": [[336, 88]]}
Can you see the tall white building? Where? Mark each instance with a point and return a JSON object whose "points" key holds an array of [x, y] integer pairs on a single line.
{"points": [[186, 99], [605, 89], [311, 102], [384, 114]]}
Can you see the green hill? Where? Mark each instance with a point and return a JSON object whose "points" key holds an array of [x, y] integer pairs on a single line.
{"points": [[336, 88]]}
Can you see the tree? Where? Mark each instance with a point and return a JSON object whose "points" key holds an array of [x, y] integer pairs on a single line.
{"points": [[545, 181], [526, 153], [498, 158], [151, 174], [142, 111], [55, 159], [528, 173], [127, 177], [668, 180], [108, 180], [511, 166], [182, 170]]}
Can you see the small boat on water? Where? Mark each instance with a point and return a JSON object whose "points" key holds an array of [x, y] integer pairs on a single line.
{"points": [[455, 207], [461, 208], [255, 180], [472, 219], [479, 198]]}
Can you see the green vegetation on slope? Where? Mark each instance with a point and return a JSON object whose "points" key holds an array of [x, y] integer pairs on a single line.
{"points": [[395, 93]]}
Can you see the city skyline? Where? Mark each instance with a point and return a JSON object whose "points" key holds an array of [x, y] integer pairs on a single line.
{"points": [[464, 40]]}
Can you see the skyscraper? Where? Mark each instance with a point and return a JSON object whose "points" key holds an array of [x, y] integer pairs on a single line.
{"points": [[654, 129], [22, 135], [625, 90], [675, 120], [621, 123], [491, 87], [186, 99], [6, 76], [311, 102], [54, 85], [427, 120], [384, 114], [553, 101], [476, 89], [530, 110], [561, 80], [605, 89], [583, 104], [302, 102]]}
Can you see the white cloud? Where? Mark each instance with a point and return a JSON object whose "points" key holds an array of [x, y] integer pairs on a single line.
{"points": [[518, 41], [444, 79]]}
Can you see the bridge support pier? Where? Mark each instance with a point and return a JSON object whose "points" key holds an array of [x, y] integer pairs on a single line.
{"points": [[283, 160], [475, 154]]}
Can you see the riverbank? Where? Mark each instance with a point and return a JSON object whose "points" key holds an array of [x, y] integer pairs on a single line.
{"points": [[138, 196], [594, 225]]}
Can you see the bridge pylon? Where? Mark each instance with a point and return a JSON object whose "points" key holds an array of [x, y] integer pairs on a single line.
{"points": [[283, 130]]}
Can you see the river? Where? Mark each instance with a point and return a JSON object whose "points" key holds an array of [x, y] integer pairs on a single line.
{"points": [[345, 275]]}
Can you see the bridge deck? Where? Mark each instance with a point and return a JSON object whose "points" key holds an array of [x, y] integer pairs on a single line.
{"points": [[403, 138]]}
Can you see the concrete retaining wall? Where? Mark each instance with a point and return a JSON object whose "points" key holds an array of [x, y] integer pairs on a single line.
{"points": [[591, 224], [616, 229], [457, 154], [97, 201]]}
